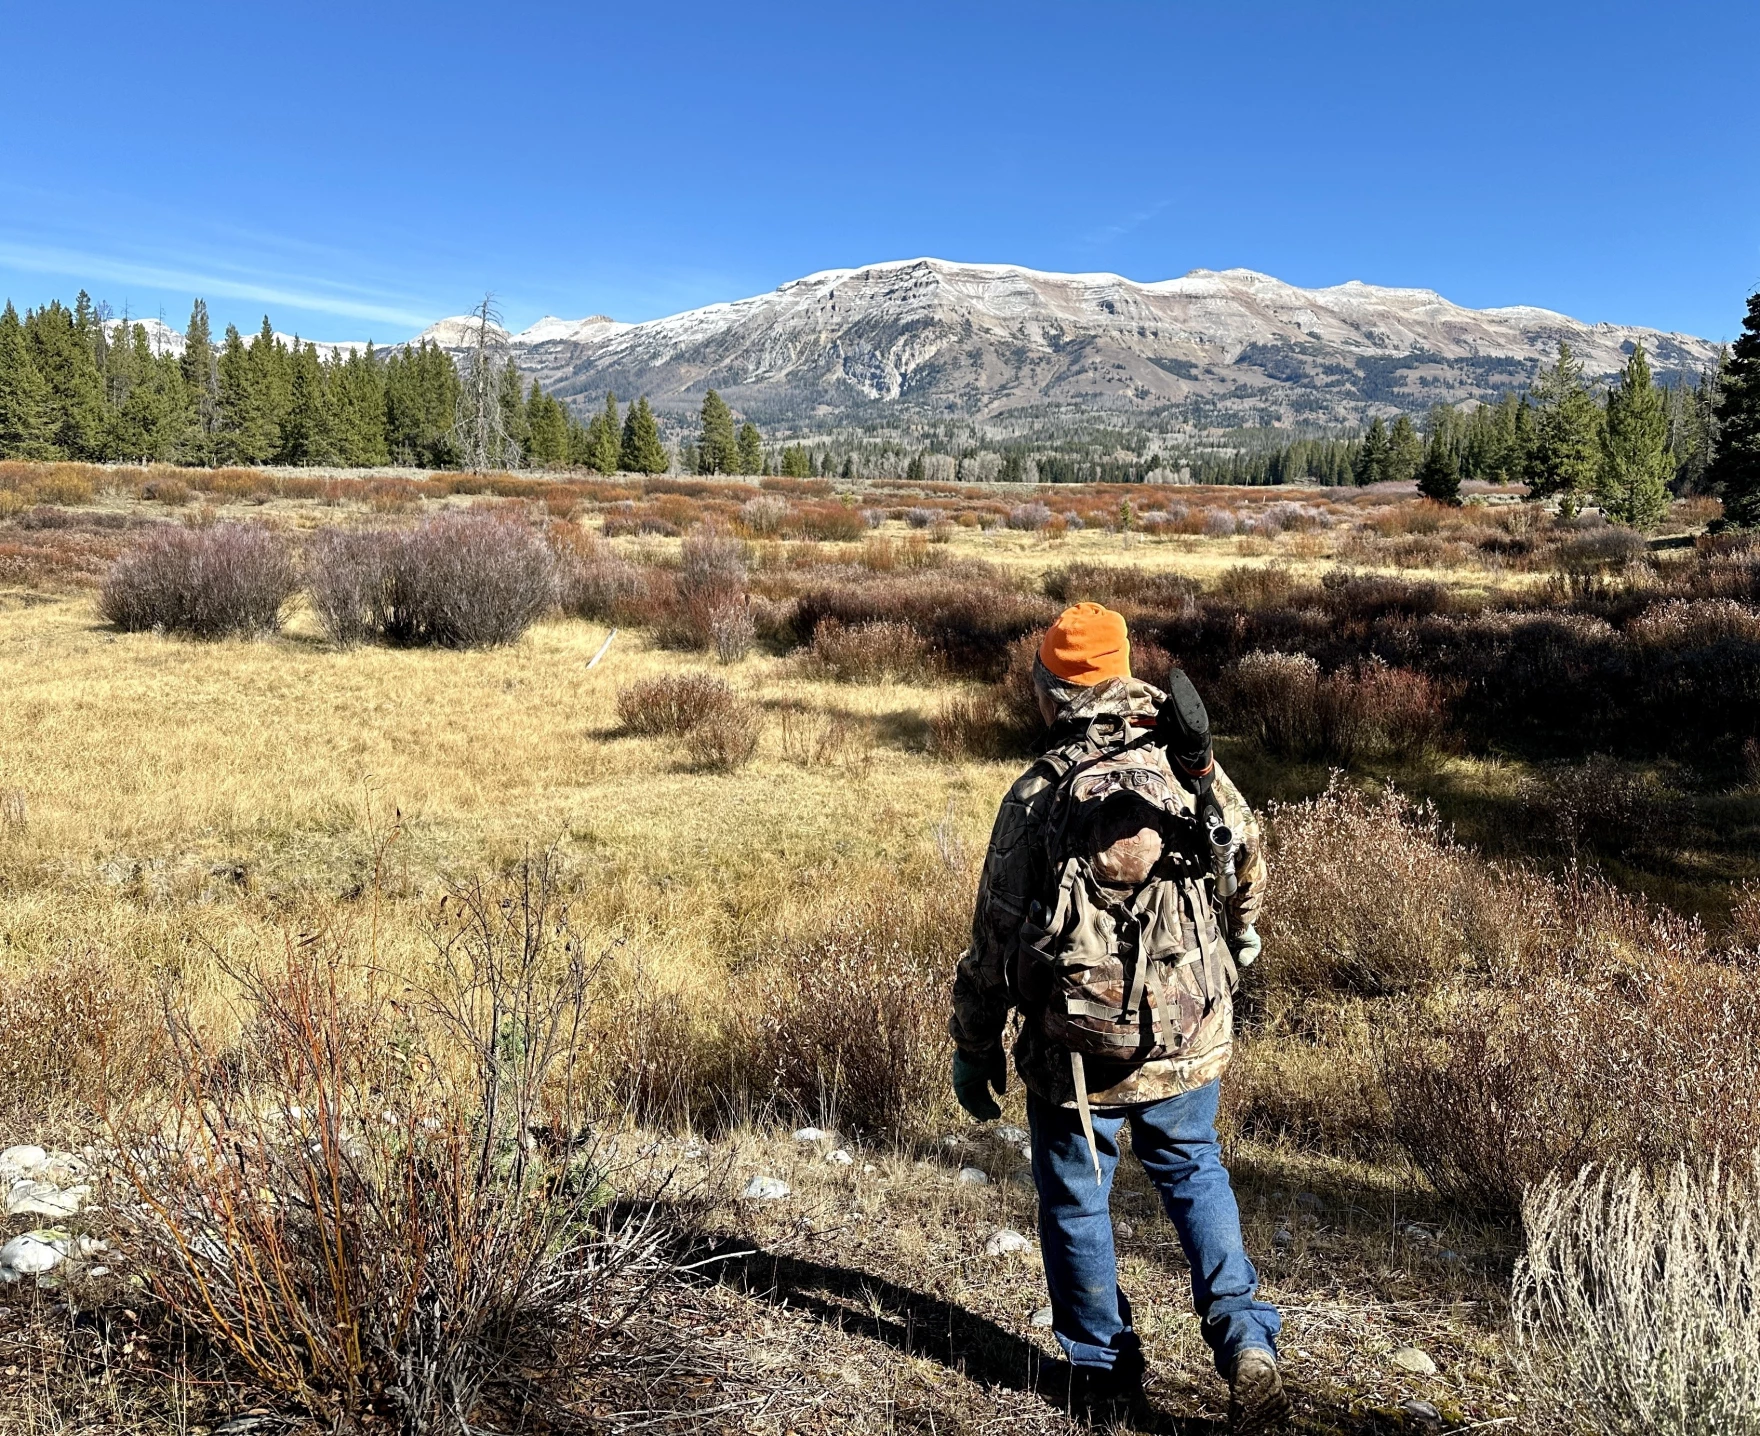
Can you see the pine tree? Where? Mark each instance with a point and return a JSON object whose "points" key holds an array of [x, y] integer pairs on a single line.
{"points": [[1371, 465], [1734, 471], [750, 459], [421, 401], [513, 417], [1635, 464], [152, 423], [605, 438], [797, 463], [1566, 457], [308, 432], [717, 448], [1439, 476], [848, 471], [643, 453], [25, 419], [60, 343], [201, 382], [356, 384], [1405, 451], [546, 428]]}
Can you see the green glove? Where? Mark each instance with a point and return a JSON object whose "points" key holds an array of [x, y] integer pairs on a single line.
{"points": [[973, 1077], [1247, 947]]}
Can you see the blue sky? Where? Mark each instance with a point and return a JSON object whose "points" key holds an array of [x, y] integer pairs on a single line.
{"points": [[357, 170]]}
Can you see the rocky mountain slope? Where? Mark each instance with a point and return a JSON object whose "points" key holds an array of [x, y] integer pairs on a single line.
{"points": [[1011, 347]]}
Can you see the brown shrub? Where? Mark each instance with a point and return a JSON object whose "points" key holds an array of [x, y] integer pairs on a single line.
{"points": [[369, 1201], [832, 523], [592, 582], [849, 1025], [726, 737], [459, 580], [1268, 585], [216, 582], [876, 652], [672, 704], [973, 725], [815, 739], [1282, 702], [1373, 896], [732, 629], [168, 489], [711, 580], [1124, 587]]}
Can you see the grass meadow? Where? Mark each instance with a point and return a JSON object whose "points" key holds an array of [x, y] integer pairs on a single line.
{"points": [[419, 1013]]}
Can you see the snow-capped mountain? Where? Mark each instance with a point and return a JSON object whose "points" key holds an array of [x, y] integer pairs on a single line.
{"points": [[1008, 347], [930, 338]]}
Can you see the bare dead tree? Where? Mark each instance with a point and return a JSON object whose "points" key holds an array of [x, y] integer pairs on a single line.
{"points": [[479, 433]]}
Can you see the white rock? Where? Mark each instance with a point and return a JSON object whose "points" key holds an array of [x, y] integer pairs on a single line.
{"points": [[839, 1158], [1005, 1242], [44, 1199], [23, 1159], [1014, 1136], [973, 1177], [1042, 1318], [809, 1134], [868, 1167], [952, 1139], [765, 1189], [27, 1255], [1413, 1362], [1124, 1229]]}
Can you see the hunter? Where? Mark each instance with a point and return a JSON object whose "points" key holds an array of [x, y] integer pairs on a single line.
{"points": [[1118, 898]]}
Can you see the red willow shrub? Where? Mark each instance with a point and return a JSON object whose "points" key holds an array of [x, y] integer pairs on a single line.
{"points": [[217, 582]]}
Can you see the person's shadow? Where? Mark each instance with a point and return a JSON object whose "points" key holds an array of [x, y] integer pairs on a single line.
{"points": [[917, 1323], [914, 1323]]}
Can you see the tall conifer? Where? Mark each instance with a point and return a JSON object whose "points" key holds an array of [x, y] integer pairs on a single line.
{"points": [[1635, 465], [24, 398], [1734, 471], [642, 451], [717, 447], [1566, 457]]}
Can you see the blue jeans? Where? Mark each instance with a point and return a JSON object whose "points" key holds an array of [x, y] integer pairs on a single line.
{"points": [[1175, 1140]]}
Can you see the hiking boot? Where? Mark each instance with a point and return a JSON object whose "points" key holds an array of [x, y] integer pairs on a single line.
{"points": [[1105, 1397], [1256, 1399]]}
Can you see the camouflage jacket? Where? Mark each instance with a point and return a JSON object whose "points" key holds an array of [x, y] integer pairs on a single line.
{"points": [[1017, 871]]}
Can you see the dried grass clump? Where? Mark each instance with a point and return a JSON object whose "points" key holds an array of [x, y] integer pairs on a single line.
{"points": [[725, 738], [732, 629], [814, 739], [376, 1197], [849, 1025], [223, 581], [975, 725], [1634, 1309], [876, 652], [672, 704]]}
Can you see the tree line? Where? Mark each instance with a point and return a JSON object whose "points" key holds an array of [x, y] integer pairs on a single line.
{"points": [[74, 386]]}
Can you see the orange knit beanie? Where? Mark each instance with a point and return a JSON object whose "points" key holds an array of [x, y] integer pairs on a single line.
{"points": [[1087, 645]]}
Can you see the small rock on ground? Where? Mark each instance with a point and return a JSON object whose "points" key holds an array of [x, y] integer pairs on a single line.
{"points": [[765, 1189], [1042, 1318], [839, 1158], [28, 1255], [1412, 1361], [809, 1134], [1005, 1241], [1014, 1136], [1423, 1413], [974, 1177]]}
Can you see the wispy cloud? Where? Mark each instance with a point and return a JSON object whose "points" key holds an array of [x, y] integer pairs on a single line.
{"points": [[1111, 233], [352, 302]]}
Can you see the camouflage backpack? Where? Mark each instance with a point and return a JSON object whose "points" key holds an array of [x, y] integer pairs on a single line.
{"points": [[1126, 959]]}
